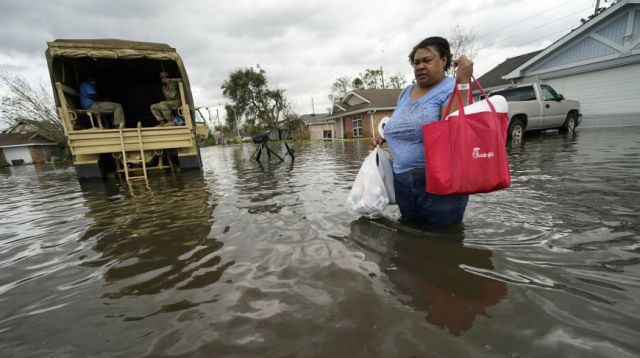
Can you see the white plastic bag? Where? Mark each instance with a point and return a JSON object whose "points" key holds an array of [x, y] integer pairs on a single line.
{"points": [[386, 170], [369, 194]]}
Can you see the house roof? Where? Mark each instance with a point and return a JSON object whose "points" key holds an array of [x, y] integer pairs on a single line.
{"points": [[22, 139], [580, 30], [45, 130], [381, 97], [314, 118], [20, 125], [376, 99], [493, 78]]}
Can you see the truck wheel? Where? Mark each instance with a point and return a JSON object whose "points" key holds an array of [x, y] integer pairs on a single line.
{"points": [[569, 124], [516, 130]]}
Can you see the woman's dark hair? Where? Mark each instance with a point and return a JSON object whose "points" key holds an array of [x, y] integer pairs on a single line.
{"points": [[440, 44]]}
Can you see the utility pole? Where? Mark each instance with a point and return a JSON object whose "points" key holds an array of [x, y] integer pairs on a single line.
{"points": [[382, 75], [313, 108], [595, 11]]}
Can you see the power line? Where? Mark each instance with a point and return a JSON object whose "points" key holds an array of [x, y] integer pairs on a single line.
{"points": [[526, 18], [551, 34], [539, 26], [547, 35]]}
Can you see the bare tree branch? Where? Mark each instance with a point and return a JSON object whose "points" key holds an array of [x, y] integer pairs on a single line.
{"points": [[22, 103], [462, 42]]}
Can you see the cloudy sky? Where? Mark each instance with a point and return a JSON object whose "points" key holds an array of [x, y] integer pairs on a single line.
{"points": [[302, 45]]}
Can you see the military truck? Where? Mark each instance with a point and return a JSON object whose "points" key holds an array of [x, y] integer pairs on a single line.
{"points": [[125, 72]]}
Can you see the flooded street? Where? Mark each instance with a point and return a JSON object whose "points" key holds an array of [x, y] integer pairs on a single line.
{"points": [[266, 259]]}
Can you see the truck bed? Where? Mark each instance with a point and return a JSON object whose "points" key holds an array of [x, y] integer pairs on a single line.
{"points": [[109, 141]]}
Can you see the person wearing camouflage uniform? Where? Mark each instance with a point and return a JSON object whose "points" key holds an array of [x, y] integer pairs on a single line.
{"points": [[162, 110]]}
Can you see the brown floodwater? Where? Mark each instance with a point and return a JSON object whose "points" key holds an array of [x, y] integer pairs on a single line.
{"points": [[267, 259]]}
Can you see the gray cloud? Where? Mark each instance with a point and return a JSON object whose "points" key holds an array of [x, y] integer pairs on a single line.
{"points": [[303, 45]]}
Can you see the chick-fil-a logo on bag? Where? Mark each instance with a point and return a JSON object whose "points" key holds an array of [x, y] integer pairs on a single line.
{"points": [[476, 153]]}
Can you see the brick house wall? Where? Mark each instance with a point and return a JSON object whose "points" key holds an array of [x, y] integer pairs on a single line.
{"points": [[366, 125], [348, 128], [367, 131], [42, 153], [377, 117], [3, 159]]}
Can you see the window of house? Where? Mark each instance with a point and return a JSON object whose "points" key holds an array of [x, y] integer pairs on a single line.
{"points": [[357, 126]]}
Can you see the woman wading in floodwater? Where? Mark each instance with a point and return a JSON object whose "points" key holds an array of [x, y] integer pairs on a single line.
{"points": [[420, 103]]}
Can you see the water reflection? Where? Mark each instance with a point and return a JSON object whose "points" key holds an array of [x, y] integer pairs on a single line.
{"points": [[428, 270], [261, 261], [155, 240]]}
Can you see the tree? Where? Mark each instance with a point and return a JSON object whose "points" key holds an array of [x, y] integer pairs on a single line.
{"points": [[231, 118], [340, 88], [598, 10], [33, 106], [461, 42], [357, 84], [251, 98], [292, 122], [397, 81], [372, 78]]}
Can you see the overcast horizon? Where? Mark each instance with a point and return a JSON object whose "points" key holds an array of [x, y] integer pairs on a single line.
{"points": [[302, 46]]}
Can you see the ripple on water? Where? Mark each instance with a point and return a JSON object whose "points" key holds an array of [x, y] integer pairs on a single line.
{"points": [[255, 259]]}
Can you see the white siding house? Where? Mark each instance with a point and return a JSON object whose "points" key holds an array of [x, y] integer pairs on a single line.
{"points": [[25, 148], [597, 64], [319, 127], [18, 154]]}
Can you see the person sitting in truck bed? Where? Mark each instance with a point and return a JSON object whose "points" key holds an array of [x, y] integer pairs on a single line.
{"points": [[90, 100], [162, 110]]}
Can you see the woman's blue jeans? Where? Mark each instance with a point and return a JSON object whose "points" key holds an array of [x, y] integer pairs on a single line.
{"points": [[417, 205]]}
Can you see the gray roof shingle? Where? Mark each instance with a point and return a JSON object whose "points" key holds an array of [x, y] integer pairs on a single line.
{"points": [[378, 98], [494, 78], [16, 139], [313, 118]]}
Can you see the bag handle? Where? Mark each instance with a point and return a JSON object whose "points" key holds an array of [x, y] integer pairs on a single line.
{"points": [[458, 97]]}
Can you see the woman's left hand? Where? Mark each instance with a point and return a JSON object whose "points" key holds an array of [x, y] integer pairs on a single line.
{"points": [[376, 141], [464, 69]]}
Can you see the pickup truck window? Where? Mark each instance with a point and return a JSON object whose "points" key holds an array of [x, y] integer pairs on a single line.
{"points": [[517, 94], [548, 93]]}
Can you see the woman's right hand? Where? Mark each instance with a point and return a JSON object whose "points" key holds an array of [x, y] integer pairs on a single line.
{"points": [[377, 140]]}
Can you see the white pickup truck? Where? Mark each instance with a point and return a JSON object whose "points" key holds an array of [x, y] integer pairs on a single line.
{"points": [[535, 107]]}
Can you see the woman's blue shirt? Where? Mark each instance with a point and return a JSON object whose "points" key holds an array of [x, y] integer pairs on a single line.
{"points": [[403, 132]]}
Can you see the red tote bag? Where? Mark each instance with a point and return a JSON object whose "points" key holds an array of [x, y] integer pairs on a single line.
{"points": [[466, 154]]}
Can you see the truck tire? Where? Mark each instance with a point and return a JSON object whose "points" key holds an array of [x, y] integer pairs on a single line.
{"points": [[516, 130], [570, 123]]}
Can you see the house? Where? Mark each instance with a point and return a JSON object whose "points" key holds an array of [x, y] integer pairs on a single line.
{"points": [[357, 114], [494, 78], [22, 126], [597, 64], [22, 144], [25, 148], [318, 126]]}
